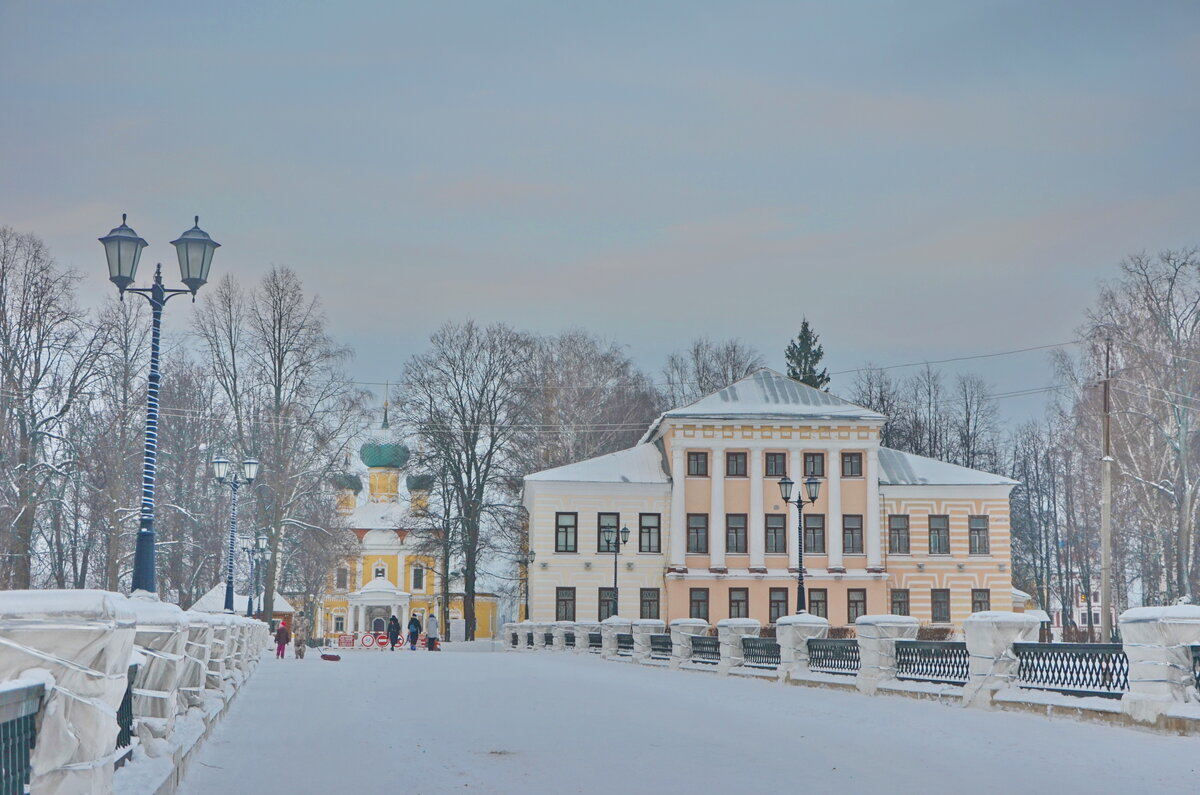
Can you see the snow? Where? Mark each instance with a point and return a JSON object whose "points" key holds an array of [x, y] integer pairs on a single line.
{"points": [[905, 469], [770, 394], [560, 722], [639, 464], [214, 602]]}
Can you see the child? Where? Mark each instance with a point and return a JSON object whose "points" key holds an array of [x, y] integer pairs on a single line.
{"points": [[282, 636]]}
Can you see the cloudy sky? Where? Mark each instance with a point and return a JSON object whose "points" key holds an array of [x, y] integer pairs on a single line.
{"points": [[922, 180]]}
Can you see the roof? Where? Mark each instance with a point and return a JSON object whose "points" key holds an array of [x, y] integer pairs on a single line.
{"points": [[214, 601], [639, 464], [906, 469], [368, 515]]}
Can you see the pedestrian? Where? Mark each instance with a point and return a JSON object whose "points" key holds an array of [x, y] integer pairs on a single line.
{"points": [[431, 633], [393, 631], [282, 636], [414, 631], [299, 635]]}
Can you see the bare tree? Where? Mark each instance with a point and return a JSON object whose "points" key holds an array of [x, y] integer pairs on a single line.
{"points": [[706, 367]]}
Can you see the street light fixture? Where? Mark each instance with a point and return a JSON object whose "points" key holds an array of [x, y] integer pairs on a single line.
{"points": [[123, 250], [812, 488], [526, 562], [257, 552], [220, 468], [609, 536]]}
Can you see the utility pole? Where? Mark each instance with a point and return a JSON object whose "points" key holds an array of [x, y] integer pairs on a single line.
{"points": [[1106, 463]]}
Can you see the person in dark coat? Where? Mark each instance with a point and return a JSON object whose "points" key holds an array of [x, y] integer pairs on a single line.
{"points": [[414, 631], [282, 637], [393, 631]]}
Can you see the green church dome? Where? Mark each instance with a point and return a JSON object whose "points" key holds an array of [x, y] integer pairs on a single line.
{"points": [[391, 455], [347, 481], [419, 482]]}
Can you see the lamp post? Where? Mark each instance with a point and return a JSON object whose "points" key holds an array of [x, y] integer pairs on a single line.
{"points": [[812, 488], [609, 535], [257, 554], [220, 468], [123, 249], [525, 562]]}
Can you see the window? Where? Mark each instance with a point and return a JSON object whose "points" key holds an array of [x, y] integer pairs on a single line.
{"points": [[418, 577], [778, 604], [776, 534], [649, 533], [735, 465], [899, 601], [698, 603], [339, 623], [814, 465], [818, 602], [606, 520], [608, 602], [650, 603], [776, 465], [852, 465], [343, 578], [814, 534], [739, 602], [941, 605], [698, 464], [978, 529], [564, 604], [735, 533], [852, 535], [981, 600], [697, 543], [564, 532], [856, 603], [380, 572], [939, 535], [898, 535]]}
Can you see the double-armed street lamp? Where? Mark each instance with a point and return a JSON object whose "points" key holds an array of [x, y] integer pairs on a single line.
{"points": [[220, 468], [258, 556], [123, 249], [526, 562], [812, 488], [609, 536]]}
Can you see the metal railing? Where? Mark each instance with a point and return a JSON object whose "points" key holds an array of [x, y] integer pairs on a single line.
{"points": [[660, 647], [1196, 665], [760, 652], [624, 644], [595, 641], [125, 718], [569, 640], [833, 656], [548, 640], [943, 661], [18, 732], [515, 641], [529, 640], [706, 649], [1077, 669]]}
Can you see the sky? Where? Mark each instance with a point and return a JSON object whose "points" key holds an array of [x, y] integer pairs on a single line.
{"points": [[921, 181]]}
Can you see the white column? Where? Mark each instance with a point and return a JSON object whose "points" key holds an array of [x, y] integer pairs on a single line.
{"points": [[716, 514], [755, 523], [873, 527], [794, 542], [678, 539], [833, 519]]}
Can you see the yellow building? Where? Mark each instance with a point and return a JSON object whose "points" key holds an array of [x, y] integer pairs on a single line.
{"points": [[391, 571], [710, 536]]}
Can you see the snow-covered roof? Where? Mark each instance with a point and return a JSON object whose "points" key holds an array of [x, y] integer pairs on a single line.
{"points": [[368, 515], [767, 394], [906, 469], [214, 601], [639, 464]]}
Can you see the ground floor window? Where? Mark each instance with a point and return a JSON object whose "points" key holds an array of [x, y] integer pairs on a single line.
{"points": [[941, 605], [739, 603], [564, 600], [608, 602], [856, 603], [981, 600], [778, 604], [650, 603], [698, 603], [818, 602], [899, 601]]}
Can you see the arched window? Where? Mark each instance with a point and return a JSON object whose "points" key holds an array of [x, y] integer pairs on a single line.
{"points": [[380, 571], [418, 577], [379, 625], [343, 578]]}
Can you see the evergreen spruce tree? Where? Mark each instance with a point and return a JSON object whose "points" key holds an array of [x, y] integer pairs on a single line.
{"points": [[804, 356]]}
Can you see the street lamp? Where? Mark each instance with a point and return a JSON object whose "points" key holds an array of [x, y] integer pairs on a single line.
{"points": [[123, 249], [812, 488], [526, 562], [220, 468], [609, 535], [258, 555]]}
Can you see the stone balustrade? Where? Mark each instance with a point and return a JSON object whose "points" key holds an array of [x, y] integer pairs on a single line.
{"points": [[609, 629], [643, 628]]}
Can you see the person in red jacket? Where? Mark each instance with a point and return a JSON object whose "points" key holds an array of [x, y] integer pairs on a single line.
{"points": [[282, 637]]}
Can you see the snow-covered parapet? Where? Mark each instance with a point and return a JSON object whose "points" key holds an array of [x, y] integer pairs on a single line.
{"points": [[730, 632], [539, 629], [215, 678], [161, 638], [643, 628], [1158, 643], [582, 630], [993, 664], [524, 630], [79, 644], [609, 629], [560, 629], [792, 634], [682, 632], [510, 630], [877, 636], [195, 663]]}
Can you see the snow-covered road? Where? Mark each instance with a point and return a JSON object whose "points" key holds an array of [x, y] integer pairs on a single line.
{"points": [[543, 722]]}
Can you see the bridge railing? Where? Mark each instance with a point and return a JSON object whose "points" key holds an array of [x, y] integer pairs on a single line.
{"points": [[20, 702], [1083, 669], [940, 661]]}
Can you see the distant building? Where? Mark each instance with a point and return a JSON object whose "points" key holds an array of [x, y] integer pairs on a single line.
{"points": [[711, 538]]}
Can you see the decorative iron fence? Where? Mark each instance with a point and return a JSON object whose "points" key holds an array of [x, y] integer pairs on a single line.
{"points": [[944, 662], [125, 718], [760, 652], [706, 650], [595, 641], [529, 640], [569, 640], [18, 732], [833, 655], [660, 647], [515, 640], [1077, 669], [548, 639], [1196, 666], [625, 644]]}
